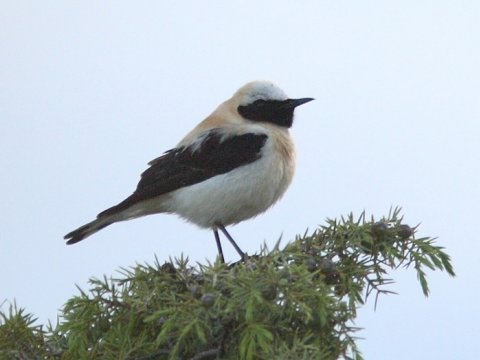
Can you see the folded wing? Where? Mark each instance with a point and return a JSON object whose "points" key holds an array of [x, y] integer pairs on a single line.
{"points": [[216, 153]]}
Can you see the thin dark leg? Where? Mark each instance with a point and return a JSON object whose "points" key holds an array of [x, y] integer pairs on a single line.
{"points": [[219, 246], [225, 232]]}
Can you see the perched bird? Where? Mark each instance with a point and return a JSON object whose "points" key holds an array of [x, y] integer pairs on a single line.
{"points": [[231, 167]]}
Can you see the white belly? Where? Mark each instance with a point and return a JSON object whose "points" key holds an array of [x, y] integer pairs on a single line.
{"points": [[232, 197], [235, 196]]}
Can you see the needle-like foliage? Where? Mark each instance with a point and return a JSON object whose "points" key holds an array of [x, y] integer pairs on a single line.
{"points": [[298, 302]]}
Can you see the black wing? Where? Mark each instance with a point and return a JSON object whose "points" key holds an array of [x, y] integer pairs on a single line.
{"points": [[217, 154]]}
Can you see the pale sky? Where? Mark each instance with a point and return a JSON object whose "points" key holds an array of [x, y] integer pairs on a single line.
{"points": [[91, 91]]}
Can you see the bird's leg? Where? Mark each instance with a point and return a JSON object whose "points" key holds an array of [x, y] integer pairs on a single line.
{"points": [[225, 232], [219, 246]]}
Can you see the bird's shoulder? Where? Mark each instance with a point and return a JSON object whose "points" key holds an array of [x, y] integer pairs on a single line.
{"points": [[215, 147]]}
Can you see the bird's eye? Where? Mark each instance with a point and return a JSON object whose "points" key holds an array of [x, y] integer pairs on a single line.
{"points": [[259, 103]]}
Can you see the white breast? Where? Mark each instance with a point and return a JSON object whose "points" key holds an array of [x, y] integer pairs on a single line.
{"points": [[241, 193]]}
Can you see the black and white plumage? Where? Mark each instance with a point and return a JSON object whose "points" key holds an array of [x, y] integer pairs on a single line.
{"points": [[231, 167]]}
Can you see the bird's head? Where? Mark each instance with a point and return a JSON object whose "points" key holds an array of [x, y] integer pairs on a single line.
{"points": [[263, 101]]}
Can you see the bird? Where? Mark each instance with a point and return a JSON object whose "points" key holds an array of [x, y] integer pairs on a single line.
{"points": [[233, 166]]}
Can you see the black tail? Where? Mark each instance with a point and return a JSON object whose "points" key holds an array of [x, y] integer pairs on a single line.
{"points": [[86, 230]]}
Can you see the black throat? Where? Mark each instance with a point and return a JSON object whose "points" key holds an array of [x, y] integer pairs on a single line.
{"points": [[273, 111]]}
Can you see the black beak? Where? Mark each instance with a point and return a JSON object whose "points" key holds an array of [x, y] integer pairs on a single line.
{"points": [[293, 103]]}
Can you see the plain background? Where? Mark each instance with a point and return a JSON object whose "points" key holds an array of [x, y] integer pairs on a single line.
{"points": [[91, 91]]}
